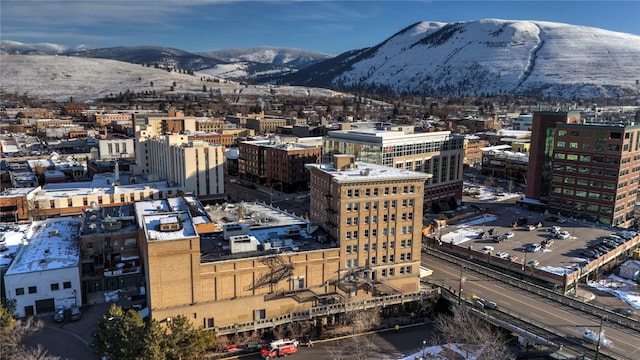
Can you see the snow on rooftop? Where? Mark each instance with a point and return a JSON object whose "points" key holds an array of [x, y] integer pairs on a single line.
{"points": [[50, 244], [367, 171], [11, 238], [153, 222]]}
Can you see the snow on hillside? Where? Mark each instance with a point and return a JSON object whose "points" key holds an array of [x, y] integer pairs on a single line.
{"points": [[86, 79], [496, 56], [15, 47]]}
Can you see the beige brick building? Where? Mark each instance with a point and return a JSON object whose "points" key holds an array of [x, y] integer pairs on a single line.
{"points": [[374, 213]]}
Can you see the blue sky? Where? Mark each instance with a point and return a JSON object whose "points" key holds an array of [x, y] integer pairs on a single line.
{"points": [[330, 27]]}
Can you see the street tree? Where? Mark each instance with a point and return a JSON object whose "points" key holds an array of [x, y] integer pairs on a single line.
{"points": [[120, 334], [13, 334], [476, 337], [182, 341]]}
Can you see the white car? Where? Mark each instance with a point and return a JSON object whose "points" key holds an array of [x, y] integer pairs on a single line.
{"points": [[509, 235], [563, 235], [502, 255], [487, 249]]}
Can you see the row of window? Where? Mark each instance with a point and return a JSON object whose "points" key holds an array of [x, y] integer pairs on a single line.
{"points": [[373, 205], [393, 190], [34, 289], [374, 260], [374, 218], [374, 246], [383, 272], [385, 231]]}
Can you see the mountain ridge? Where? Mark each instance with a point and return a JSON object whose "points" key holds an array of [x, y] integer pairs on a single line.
{"points": [[484, 57]]}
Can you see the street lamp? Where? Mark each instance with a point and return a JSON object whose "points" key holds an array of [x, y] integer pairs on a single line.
{"points": [[461, 288], [599, 338], [424, 345]]}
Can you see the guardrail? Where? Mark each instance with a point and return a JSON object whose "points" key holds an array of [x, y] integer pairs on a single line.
{"points": [[329, 309], [541, 291], [529, 327]]}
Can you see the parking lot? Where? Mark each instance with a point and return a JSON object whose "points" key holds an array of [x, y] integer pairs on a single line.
{"points": [[517, 248]]}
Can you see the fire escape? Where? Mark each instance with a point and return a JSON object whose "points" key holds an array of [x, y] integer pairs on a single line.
{"points": [[278, 271]]}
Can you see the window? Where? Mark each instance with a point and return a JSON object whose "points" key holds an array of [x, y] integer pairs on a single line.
{"points": [[391, 272], [33, 290], [55, 286], [19, 291], [66, 284], [89, 246]]}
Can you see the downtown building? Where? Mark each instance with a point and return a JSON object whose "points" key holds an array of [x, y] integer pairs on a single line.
{"points": [[279, 162], [581, 169], [439, 153], [374, 214]]}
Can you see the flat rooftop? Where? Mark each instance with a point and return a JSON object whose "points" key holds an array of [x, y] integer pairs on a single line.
{"points": [[284, 231], [49, 244], [368, 172]]}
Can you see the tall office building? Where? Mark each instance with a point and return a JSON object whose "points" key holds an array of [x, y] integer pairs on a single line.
{"points": [[374, 214], [587, 170], [438, 153], [195, 165]]}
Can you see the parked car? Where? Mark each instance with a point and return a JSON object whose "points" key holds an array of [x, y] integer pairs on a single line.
{"points": [[531, 227], [487, 249], [493, 231], [533, 263], [75, 313], [589, 253], [482, 235], [499, 238], [513, 258], [502, 255], [547, 243], [58, 316], [509, 235], [563, 235], [533, 247]]}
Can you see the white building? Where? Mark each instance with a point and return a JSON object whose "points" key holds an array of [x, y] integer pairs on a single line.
{"points": [[523, 122], [45, 272], [197, 166], [113, 147]]}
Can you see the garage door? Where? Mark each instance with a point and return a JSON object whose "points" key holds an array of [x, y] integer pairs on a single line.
{"points": [[45, 306]]}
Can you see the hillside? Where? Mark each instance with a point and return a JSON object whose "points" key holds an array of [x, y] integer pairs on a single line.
{"points": [[58, 78], [488, 57]]}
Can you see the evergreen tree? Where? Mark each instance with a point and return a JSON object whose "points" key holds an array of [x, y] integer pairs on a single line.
{"points": [[120, 335]]}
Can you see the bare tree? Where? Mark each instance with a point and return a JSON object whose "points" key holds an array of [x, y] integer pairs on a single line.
{"points": [[472, 334], [37, 353], [279, 332], [295, 330], [360, 345]]}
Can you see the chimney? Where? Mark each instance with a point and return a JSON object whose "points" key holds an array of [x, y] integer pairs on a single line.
{"points": [[240, 215]]}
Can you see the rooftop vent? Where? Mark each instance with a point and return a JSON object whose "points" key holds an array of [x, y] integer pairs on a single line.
{"points": [[53, 232]]}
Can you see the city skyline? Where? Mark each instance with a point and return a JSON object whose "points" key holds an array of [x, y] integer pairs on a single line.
{"points": [[330, 27]]}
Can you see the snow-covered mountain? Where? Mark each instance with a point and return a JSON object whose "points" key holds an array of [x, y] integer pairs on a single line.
{"points": [[285, 57], [483, 57], [14, 47], [488, 57], [58, 78]]}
